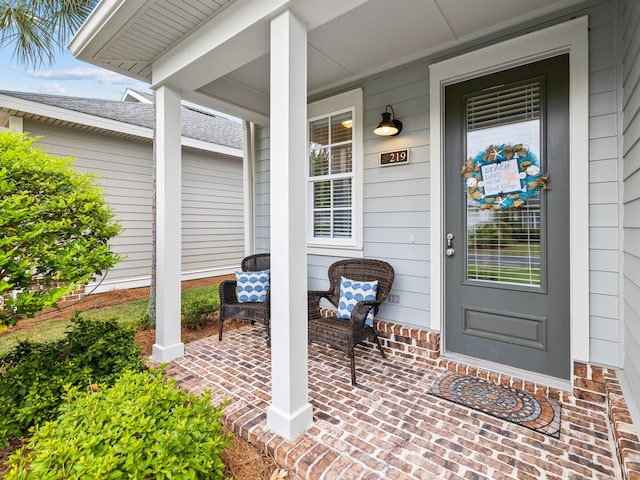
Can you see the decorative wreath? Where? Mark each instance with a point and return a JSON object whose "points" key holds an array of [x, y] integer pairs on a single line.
{"points": [[503, 176]]}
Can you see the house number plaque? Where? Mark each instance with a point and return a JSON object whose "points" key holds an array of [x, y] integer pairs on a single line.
{"points": [[394, 158]]}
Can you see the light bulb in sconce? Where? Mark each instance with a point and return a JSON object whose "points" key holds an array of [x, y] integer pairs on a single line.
{"points": [[388, 126]]}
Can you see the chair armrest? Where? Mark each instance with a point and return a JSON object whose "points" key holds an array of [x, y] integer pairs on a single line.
{"points": [[319, 293], [227, 290], [313, 302], [361, 310], [314, 297]]}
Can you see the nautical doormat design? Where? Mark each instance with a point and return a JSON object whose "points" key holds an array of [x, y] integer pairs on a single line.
{"points": [[536, 412]]}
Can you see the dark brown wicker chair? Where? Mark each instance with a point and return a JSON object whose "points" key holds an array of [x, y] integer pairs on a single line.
{"points": [[346, 334], [254, 311]]}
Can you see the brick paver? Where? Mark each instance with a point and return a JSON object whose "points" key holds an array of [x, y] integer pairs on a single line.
{"points": [[388, 427]]}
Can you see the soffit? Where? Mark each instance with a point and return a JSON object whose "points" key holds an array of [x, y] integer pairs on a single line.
{"points": [[365, 38], [153, 28]]}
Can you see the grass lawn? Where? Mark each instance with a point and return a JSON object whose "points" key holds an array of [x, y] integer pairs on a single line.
{"points": [[515, 250], [508, 275], [131, 313]]}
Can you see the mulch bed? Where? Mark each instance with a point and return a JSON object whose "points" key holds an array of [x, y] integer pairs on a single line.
{"points": [[242, 460]]}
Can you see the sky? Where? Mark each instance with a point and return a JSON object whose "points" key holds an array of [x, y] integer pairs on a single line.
{"points": [[67, 76]]}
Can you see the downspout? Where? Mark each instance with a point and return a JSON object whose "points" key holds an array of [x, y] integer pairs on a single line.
{"points": [[248, 186]]}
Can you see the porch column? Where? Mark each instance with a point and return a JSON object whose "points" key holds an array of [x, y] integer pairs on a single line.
{"points": [[290, 412], [168, 159], [248, 186]]}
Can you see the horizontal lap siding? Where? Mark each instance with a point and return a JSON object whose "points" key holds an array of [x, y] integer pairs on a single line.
{"points": [[631, 199], [262, 190], [397, 198], [123, 168], [212, 211], [604, 188]]}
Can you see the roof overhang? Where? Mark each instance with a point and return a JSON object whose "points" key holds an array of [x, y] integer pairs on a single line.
{"points": [[220, 58], [91, 123]]}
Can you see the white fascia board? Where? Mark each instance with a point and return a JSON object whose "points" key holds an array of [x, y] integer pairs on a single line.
{"points": [[66, 115], [135, 95], [212, 147], [229, 40]]}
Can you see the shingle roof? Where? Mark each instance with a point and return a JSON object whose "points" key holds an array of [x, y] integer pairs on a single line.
{"points": [[195, 124]]}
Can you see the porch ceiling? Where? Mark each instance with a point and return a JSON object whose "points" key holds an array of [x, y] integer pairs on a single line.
{"points": [[228, 40]]}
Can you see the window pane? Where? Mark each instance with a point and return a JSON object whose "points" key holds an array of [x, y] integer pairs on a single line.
{"points": [[331, 176], [322, 195], [322, 224], [341, 128], [342, 193], [319, 162], [504, 246], [341, 159], [319, 133], [342, 224]]}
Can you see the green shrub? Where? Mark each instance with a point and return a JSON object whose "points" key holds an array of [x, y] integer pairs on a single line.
{"points": [[197, 305], [56, 226], [33, 376], [142, 427]]}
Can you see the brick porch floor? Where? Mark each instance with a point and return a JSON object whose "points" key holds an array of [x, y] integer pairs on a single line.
{"points": [[388, 427]]}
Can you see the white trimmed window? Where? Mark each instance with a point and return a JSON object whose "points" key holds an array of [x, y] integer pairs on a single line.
{"points": [[334, 174]]}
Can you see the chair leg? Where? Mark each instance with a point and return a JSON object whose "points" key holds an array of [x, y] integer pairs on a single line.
{"points": [[220, 330], [353, 368], [375, 337]]}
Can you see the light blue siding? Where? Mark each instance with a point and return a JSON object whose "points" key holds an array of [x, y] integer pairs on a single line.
{"points": [[397, 206], [604, 187], [631, 200], [262, 190], [212, 201], [396, 198]]}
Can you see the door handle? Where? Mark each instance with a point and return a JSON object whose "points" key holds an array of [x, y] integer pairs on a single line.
{"points": [[450, 252]]}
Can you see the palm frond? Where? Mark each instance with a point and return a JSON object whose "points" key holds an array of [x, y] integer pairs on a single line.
{"points": [[38, 29]]}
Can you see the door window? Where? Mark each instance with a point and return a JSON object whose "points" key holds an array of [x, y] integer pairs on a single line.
{"points": [[504, 245]]}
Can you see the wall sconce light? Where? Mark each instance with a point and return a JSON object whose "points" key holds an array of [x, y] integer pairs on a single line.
{"points": [[388, 126]]}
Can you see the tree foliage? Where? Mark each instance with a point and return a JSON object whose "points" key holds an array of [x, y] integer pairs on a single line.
{"points": [[39, 28], [55, 228]]}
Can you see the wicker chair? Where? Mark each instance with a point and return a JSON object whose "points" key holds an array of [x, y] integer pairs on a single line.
{"points": [[254, 311], [346, 334]]}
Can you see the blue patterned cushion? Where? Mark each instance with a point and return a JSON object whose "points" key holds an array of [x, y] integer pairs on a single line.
{"points": [[252, 286], [352, 292]]}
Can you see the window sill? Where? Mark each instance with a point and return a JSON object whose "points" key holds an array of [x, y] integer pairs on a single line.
{"points": [[335, 251]]}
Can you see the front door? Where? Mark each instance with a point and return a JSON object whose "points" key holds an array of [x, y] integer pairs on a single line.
{"points": [[507, 263]]}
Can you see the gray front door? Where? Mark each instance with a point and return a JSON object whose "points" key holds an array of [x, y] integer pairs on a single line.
{"points": [[507, 263]]}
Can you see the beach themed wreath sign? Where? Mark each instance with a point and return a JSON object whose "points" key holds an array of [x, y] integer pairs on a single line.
{"points": [[503, 176]]}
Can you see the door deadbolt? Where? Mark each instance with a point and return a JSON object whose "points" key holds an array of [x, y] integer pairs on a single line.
{"points": [[450, 252]]}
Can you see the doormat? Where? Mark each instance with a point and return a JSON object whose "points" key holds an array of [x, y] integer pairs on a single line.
{"points": [[536, 412]]}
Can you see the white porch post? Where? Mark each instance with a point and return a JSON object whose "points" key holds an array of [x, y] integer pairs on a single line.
{"points": [[168, 232], [290, 412], [248, 186]]}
